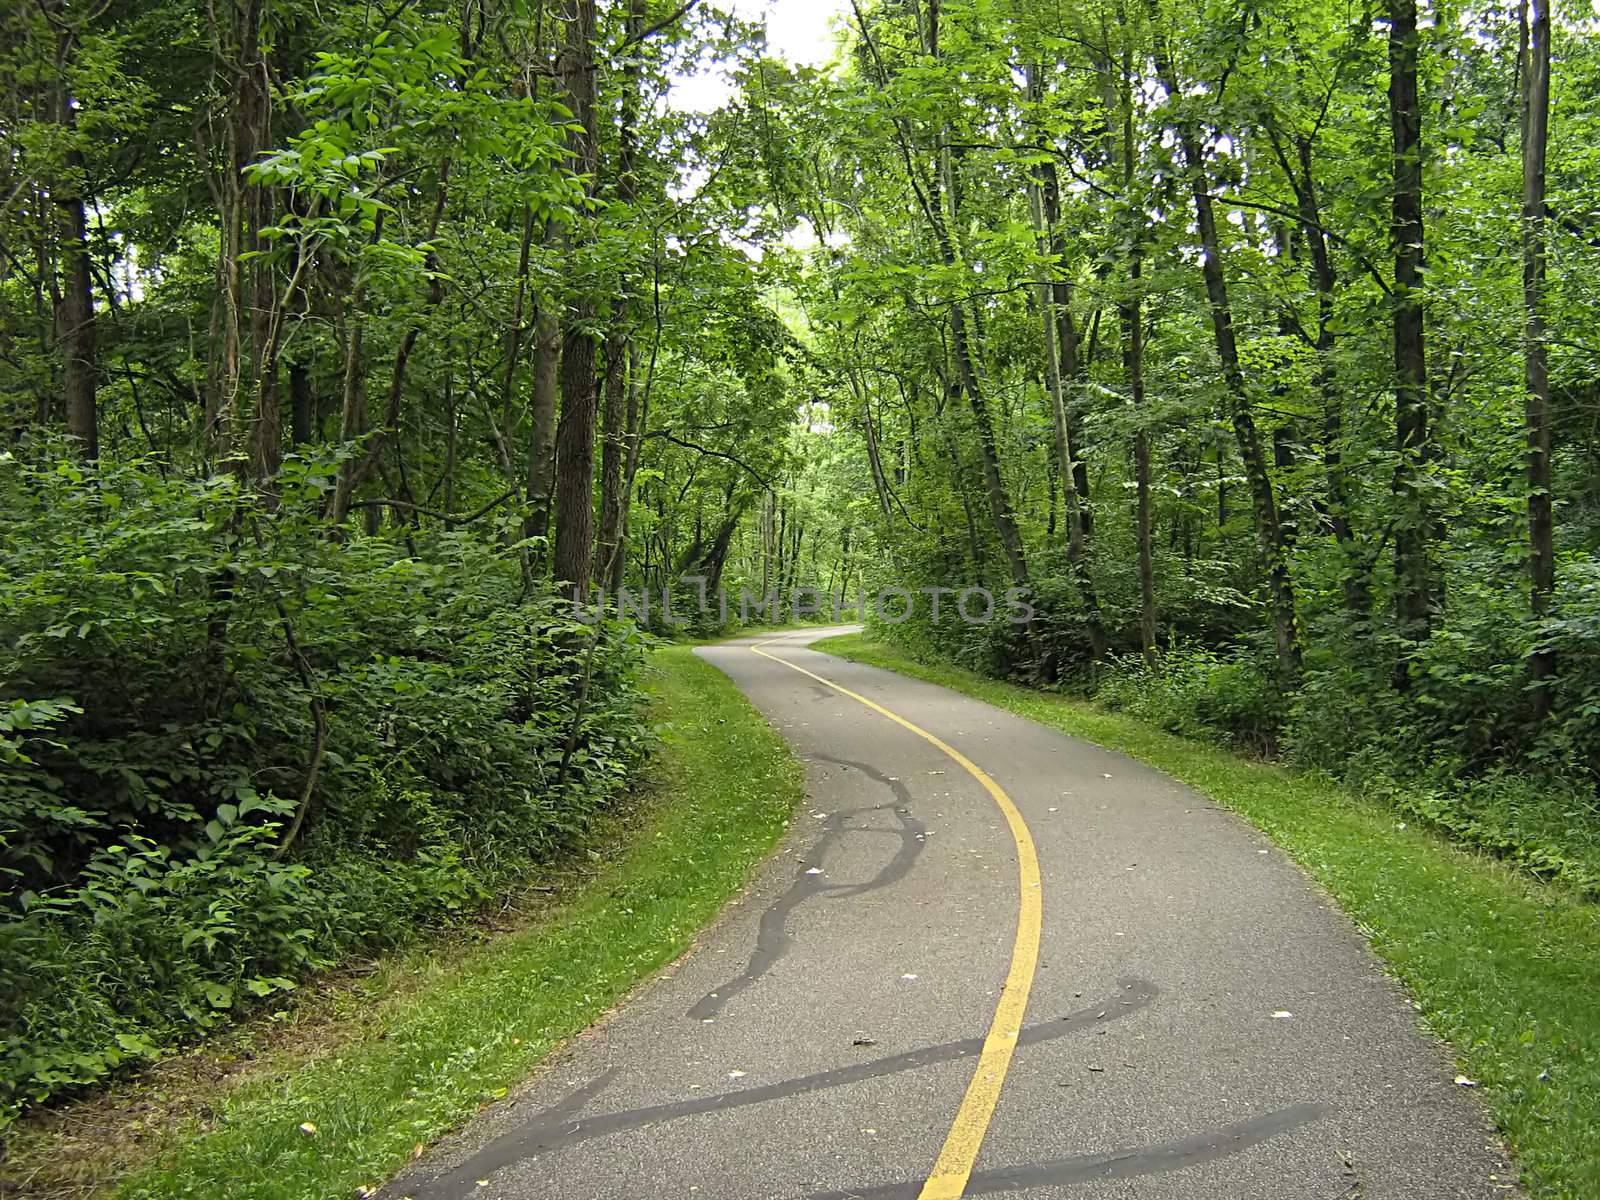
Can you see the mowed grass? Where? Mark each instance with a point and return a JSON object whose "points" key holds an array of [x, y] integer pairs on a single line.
{"points": [[722, 790], [1504, 968]]}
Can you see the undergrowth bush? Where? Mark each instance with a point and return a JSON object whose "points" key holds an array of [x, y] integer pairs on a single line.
{"points": [[185, 673], [1199, 692]]}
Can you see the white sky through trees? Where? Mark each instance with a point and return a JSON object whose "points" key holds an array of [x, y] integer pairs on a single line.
{"points": [[801, 31]]}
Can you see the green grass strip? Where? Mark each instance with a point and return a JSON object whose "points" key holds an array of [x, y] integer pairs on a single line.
{"points": [[1506, 969], [724, 784]]}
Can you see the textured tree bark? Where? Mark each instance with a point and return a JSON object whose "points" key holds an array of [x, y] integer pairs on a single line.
{"points": [[1413, 573], [75, 324], [238, 213], [74, 310], [613, 449], [575, 433], [619, 381], [637, 414], [1541, 516], [542, 420]]}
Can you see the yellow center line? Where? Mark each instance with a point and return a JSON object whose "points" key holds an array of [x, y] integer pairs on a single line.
{"points": [[948, 1180]]}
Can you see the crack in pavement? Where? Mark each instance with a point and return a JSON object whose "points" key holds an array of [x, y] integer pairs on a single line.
{"points": [[1117, 1164], [560, 1126], [773, 939]]}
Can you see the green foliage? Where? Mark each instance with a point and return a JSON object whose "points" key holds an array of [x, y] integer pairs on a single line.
{"points": [[715, 799], [1198, 692], [142, 821], [921, 132]]}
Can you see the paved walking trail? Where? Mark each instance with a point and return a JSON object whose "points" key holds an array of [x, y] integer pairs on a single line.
{"points": [[991, 959]]}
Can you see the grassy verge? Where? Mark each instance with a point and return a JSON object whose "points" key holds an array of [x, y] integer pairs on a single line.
{"points": [[432, 1035], [1505, 968]]}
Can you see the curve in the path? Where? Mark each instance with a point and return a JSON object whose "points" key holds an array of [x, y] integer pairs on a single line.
{"points": [[959, 1154], [826, 1037]]}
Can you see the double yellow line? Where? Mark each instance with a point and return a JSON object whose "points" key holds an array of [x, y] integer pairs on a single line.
{"points": [[948, 1180]]}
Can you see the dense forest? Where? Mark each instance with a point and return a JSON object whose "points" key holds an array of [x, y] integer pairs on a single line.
{"points": [[342, 344]]}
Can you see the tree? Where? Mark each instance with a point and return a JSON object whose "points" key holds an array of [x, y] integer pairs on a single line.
{"points": [[1535, 15], [574, 471], [1413, 570]]}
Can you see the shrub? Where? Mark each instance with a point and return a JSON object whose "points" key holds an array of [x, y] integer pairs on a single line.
{"points": [[184, 672], [1198, 692]]}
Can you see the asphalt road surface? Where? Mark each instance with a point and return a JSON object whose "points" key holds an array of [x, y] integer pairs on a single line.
{"points": [[991, 959]]}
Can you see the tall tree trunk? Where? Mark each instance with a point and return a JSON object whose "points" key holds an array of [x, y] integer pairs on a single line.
{"points": [[1413, 573], [1131, 315], [1130, 312], [542, 419], [619, 382], [1354, 567], [238, 213], [574, 482], [74, 315], [75, 323], [538, 465], [634, 418], [880, 483], [508, 379], [613, 451], [1045, 208], [1541, 517], [929, 200], [1269, 530], [353, 393]]}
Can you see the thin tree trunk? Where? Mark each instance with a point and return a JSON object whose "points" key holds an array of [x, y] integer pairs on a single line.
{"points": [[1541, 517], [1131, 314], [1130, 311], [619, 382], [508, 380], [638, 415], [74, 314], [613, 450], [389, 435], [574, 482], [1045, 206], [875, 462], [1354, 567], [928, 194], [75, 322], [237, 208], [1269, 531], [353, 400], [1413, 582], [542, 419], [452, 437]]}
